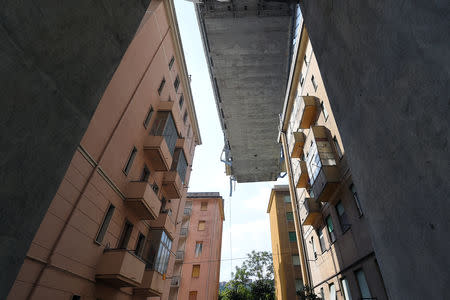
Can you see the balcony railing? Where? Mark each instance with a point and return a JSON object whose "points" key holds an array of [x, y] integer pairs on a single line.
{"points": [[309, 108], [172, 186], [142, 200], [152, 284], [187, 211], [164, 221], [183, 232], [179, 255], [301, 175], [299, 142], [309, 211], [175, 282], [326, 183], [120, 268]]}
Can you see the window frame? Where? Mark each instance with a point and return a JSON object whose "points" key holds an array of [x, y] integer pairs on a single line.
{"points": [[346, 288], [359, 284], [195, 268], [343, 218], [181, 101], [290, 236], [125, 236], [321, 236], [176, 83], [161, 86], [332, 232], [352, 189], [105, 224], [140, 245], [290, 213], [198, 248], [171, 62], [148, 117], [204, 206], [131, 157], [204, 225]]}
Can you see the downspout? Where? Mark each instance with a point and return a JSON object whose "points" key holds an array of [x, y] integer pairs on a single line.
{"points": [[306, 275]]}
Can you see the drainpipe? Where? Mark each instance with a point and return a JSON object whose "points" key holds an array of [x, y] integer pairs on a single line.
{"points": [[306, 275]]}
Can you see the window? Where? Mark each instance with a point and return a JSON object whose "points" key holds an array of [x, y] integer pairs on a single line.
{"points": [[289, 216], [140, 245], [292, 236], [193, 295], [362, 283], [346, 288], [296, 260], [204, 206], [125, 237], [198, 248], [302, 79], [342, 215], [332, 292], [324, 110], [148, 117], [172, 60], [306, 62], [298, 285], [165, 126], [196, 271], [145, 174], [313, 80], [322, 294], [157, 250], [338, 148], [105, 224], [179, 163], [201, 225], [331, 229], [321, 239], [181, 101], [130, 160], [161, 86], [355, 196], [313, 163], [287, 198], [76, 297], [185, 117], [176, 83], [313, 248]]}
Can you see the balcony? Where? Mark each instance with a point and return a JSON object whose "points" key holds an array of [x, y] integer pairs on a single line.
{"points": [[310, 109], [179, 256], [120, 268], [173, 107], [164, 221], [183, 232], [187, 211], [326, 183], [299, 142], [175, 282], [142, 200], [301, 175], [158, 153], [184, 144], [171, 185], [152, 285], [309, 211]]}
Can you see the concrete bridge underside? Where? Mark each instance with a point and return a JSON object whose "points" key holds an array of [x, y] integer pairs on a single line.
{"points": [[247, 45]]}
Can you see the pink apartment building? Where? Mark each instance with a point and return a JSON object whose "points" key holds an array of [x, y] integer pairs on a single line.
{"points": [[197, 265], [111, 231]]}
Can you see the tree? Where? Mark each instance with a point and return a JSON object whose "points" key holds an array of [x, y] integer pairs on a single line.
{"points": [[253, 280], [307, 293]]}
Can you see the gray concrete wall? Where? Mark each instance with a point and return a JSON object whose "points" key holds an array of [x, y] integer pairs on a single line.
{"points": [[56, 58], [386, 69]]}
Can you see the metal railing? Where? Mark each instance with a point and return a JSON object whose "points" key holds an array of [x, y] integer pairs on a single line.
{"points": [[175, 281], [187, 211], [179, 255], [184, 231]]}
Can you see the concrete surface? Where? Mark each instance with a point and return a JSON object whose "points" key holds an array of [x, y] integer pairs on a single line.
{"points": [[386, 65], [247, 47], [56, 59]]}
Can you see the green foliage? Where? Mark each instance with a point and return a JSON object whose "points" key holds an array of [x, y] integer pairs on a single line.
{"points": [[253, 280], [307, 293]]}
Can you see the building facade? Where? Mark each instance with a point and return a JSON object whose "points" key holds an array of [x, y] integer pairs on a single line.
{"points": [[197, 265], [286, 260], [113, 225], [338, 254]]}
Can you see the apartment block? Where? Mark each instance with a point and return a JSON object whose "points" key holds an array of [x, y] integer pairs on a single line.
{"points": [[339, 257], [111, 230], [286, 260], [197, 265]]}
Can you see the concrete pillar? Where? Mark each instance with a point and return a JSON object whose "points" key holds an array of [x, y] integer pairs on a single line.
{"points": [[386, 69], [56, 59]]}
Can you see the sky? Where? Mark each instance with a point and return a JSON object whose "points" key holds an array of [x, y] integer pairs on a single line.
{"points": [[246, 225]]}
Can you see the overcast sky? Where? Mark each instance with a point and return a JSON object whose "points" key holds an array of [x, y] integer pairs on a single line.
{"points": [[246, 224]]}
